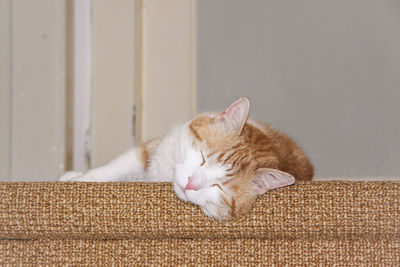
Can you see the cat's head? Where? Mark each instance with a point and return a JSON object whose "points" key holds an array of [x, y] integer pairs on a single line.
{"points": [[222, 171]]}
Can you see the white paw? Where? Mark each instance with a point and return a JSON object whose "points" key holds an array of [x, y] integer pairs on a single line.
{"points": [[70, 176], [219, 212]]}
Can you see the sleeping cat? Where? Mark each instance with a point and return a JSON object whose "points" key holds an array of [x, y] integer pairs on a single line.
{"points": [[218, 161]]}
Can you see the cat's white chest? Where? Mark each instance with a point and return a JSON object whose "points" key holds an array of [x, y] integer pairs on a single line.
{"points": [[170, 152]]}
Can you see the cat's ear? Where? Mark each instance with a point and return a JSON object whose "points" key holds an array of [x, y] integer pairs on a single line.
{"points": [[234, 117], [268, 179]]}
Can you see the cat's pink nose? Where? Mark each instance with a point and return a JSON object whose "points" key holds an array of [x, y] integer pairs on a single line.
{"points": [[190, 185]]}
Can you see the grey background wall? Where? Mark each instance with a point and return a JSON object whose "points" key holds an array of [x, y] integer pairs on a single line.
{"points": [[325, 72]]}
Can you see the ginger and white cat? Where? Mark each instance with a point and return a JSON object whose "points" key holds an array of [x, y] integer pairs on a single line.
{"points": [[218, 161]]}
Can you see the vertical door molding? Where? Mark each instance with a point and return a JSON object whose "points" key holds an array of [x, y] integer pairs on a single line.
{"points": [[168, 65], [37, 89], [80, 92], [103, 81], [113, 63]]}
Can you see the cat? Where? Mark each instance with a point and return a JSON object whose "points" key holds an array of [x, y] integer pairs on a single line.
{"points": [[218, 161]]}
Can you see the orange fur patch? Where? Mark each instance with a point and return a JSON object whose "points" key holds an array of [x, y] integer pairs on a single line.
{"points": [[147, 149], [144, 156]]}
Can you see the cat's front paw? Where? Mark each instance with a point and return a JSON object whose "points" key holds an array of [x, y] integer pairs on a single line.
{"points": [[70, 176], [219, 212]]}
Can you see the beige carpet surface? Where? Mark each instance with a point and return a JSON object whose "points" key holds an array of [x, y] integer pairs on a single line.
{"points": [[139, 223]]}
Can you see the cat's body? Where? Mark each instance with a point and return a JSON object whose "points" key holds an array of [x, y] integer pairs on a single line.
{"points": [[219, 161]]}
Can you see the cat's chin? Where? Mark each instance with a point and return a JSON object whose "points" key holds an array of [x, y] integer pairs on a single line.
{"points": [[208, 199]]}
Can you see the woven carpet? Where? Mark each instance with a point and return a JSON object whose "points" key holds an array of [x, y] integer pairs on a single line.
{"points": [[310, 223]]}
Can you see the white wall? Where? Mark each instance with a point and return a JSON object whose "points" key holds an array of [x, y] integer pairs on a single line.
{"points": [[112, 79], [325, 72], [5, 88], [81, 79], [53, 55], [32, 89]]}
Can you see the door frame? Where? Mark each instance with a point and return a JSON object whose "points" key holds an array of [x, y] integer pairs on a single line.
{"points": [[166, 54]]}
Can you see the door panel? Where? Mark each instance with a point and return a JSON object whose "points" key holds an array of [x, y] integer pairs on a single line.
{"points": [[38, 89]]}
